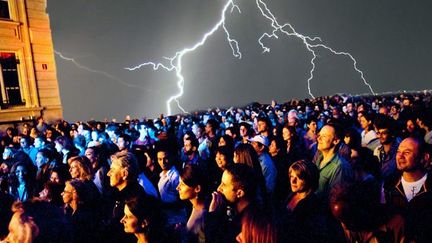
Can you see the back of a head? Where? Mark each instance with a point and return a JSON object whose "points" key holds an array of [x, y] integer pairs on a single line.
{"points": [[258, 226], [246, 155], [48, 223]]}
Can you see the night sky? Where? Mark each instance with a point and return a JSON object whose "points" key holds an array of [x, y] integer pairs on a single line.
{"points": [[390, 39]]}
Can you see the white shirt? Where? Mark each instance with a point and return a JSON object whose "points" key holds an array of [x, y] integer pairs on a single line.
{"points": [[367, 137], [412, 188], [167, 185]]}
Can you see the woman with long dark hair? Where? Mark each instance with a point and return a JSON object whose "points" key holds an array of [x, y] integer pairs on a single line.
{"points": [[22, 178], [143, 218], [193, 186]]}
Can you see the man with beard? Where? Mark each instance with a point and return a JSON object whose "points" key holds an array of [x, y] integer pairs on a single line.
{"points": [[386, 151], [190, 150]]}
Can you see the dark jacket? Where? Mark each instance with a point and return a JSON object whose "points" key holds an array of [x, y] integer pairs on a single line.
{"points": [[114, 230], [308, 222], [417, 212]]}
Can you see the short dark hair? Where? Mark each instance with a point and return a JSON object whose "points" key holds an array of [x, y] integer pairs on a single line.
{"points": [[47, 153], [65, 142], [243, 177], [193, 175]]}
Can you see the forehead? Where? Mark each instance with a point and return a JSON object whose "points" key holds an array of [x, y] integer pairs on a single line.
{"points": [[327, 130], [409, 144], [115, 163], [161, 154], [226, 178], [127, 210], [68, 186], [20, 168], [89, 151]]}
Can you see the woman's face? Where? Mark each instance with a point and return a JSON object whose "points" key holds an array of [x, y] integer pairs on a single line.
{"points": [[186, 192], [221, 142], [74, 170], [221, 161], [68, 194], [55, 177], [129, 221], [273, 149], [21, 173], [286, 134], [312, 126], [364, 123], [297, 184], [410, 126]]}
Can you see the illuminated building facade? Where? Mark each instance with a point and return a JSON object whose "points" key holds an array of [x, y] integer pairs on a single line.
{"points": [[28, 79]]}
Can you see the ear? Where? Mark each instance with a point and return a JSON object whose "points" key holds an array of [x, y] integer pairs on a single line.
{"points": [[197, 189], [336, 141], [125, 174], [144, 224], [240, 193], [426, 157]]}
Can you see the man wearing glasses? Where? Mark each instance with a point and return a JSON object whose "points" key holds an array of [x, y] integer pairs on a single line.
{"points": [[389, 143]]}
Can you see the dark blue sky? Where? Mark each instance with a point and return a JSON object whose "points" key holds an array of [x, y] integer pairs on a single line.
{"points": [[390, 40]]}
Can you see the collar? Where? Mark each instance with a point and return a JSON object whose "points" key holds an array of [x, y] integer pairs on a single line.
{"points": [[426, 187]]}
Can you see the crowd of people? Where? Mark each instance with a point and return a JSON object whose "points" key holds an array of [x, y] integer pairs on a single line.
{"points": [[331, 169]]}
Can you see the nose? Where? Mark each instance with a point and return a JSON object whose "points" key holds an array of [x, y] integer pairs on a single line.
{"points": [[122, 220], [219, 189], [238, 238]]}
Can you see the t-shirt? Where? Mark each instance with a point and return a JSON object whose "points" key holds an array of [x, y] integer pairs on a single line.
{"points": [[412, 188]]}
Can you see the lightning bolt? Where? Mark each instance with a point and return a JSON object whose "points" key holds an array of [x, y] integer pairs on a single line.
{"points": [[100, 72], [311, 44], [308, 41], [175, 62]]}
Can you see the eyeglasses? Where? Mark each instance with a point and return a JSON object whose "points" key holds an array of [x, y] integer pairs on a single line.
{"points": [[385, 132]]}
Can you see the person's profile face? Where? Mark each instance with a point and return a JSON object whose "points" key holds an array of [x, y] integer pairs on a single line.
{"points": [[186, 192], [129, 221], [226, 188], [115, 174]]}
